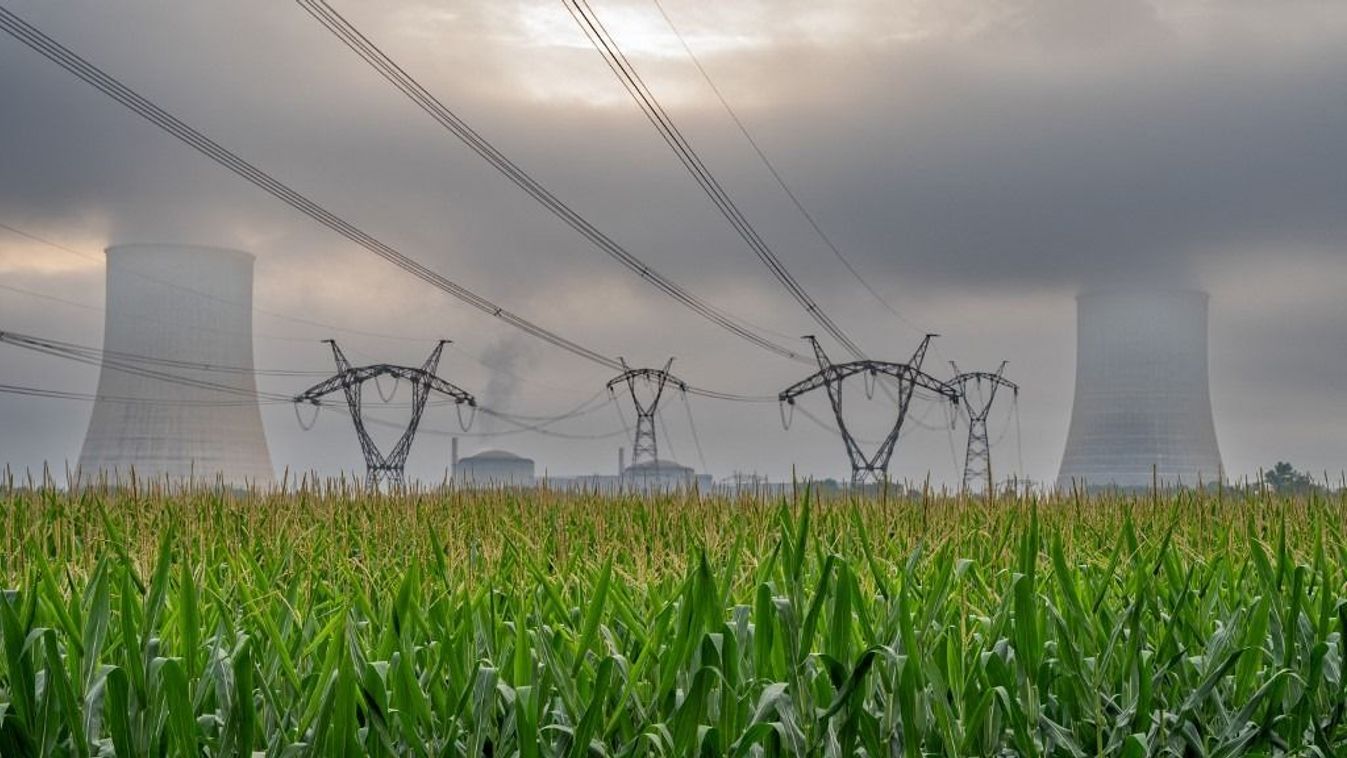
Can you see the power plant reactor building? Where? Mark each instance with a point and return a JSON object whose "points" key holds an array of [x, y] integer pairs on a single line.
{"points": [[1142, 410], [177, 397], [494, 468], [659, 475]]}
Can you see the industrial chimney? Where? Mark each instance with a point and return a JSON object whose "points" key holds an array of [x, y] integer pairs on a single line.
{"points": [[1142, 410], [178, 311]]}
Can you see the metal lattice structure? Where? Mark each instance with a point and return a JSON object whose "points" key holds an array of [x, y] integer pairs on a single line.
{"points": [[908, 376], [381, 468], [978, 390], [645, 446]]}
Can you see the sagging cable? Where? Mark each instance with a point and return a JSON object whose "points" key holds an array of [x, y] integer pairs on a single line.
{"points": [[300, 417], [465, 426]]}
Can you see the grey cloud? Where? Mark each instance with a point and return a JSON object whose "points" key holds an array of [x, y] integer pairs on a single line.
{"points": [[1007, 153]]}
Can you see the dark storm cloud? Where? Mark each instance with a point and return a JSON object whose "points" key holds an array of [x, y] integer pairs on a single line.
{"points": [[1061, 141], [1047, 184], [970, 167], [978, 161]]}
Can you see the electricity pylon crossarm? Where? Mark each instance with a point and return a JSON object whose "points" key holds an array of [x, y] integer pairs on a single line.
{"points": [[350, 380], [977, 392], [645, 446], [908, 377]]}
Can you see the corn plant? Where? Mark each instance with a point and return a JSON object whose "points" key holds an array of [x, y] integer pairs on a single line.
{"points": [[535, 623]]}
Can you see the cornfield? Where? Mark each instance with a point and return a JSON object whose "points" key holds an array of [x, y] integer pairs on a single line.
{"points": [[549, 624]]}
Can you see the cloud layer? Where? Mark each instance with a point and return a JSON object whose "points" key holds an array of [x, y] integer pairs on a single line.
{"points": [[978, 162]]}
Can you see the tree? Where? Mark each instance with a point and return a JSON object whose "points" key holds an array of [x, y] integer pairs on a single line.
{"points": [[1284, 478]]}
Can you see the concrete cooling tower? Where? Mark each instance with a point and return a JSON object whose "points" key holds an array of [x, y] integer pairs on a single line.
{"points": [[1142, 401], [170, 305]]}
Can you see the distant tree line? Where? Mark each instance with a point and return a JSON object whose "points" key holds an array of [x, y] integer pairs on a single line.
{"points": [[1284, 479]]}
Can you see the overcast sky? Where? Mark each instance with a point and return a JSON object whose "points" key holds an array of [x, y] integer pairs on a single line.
{"points": [[978, 162]]}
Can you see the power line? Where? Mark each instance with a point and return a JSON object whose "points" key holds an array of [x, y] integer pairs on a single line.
{"points": [[264, 372], [108, 85], [99, 309], [668, 439], [94, 357], [912, 421], [776, 174], [257, 372], [696, 439], [256, 309], [44, 392], [100, 80], [650, 106], [977, 394], [592, 404], [94, 352], [654, 112], [869, 467], [381, 466], [354, 39], [208, 295], [91, 357], [101, 356], [645, 443]]}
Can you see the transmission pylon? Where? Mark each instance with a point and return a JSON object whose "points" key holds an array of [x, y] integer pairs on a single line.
{"points": [[977, 390], [645, 446], [381, 468], [909, 376]]}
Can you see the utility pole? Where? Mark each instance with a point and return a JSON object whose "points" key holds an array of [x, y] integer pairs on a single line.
{"points": [[909, 376], [645, 447], [379, 467], [978, 390]]}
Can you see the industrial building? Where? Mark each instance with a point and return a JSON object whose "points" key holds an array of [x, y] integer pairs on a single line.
{"points": [[658, 476], [1142, 410], [494, 468], [177, 398]]}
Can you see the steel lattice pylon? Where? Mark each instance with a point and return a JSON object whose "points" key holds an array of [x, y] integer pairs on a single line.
{"points": [[645, 446], [381, 468], [978, 391], [909, 376]]}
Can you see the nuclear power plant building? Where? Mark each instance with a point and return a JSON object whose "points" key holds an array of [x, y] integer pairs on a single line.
{"points": [[1142, 410], [494, 468], [177, 397]]}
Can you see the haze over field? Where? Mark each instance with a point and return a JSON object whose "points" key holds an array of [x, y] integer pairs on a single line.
{"points": [[978, 162]]}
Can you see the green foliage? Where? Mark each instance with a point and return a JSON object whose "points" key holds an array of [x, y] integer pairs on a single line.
{"points": [[1284, 478], [543, 624]]}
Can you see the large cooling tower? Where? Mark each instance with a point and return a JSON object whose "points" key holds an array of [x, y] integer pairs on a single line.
{"points": [[172, 310], [1142, 404]]}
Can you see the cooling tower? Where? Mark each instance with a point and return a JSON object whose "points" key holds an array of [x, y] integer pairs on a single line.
{"points": [[172, 310], [1142, 404]]}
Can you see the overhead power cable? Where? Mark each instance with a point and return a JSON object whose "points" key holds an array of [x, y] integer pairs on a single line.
{"points": [[692, 426], [591, 404], [90, 357], [272, 372], [47, 47], [256, 309], [101, 359], [208, 295], [98, 354], [776, 175], [361, 45], [44, 392], [645, 99], [96, 77]]}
